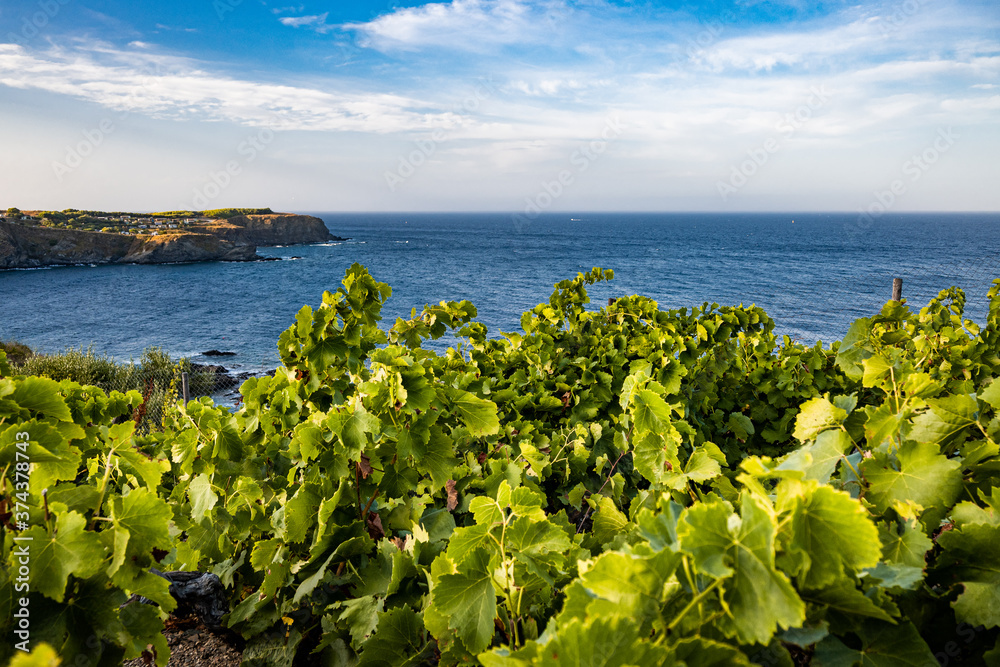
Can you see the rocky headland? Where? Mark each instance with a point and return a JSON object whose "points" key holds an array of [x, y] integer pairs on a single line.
{"points": [[233, 239], [271, 229]]}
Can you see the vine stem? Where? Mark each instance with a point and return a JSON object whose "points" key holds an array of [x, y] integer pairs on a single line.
{"points": [[357, 487], [511, 610], [506, 576], [104, 487], [611, 472], [857, 448], [369, 505], [694, 601]]}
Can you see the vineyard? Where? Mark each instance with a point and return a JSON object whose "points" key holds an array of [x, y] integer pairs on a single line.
{"points": [[614, 486]]}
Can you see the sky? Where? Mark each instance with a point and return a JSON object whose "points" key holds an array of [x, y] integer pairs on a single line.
{"points": [[500, 105]]}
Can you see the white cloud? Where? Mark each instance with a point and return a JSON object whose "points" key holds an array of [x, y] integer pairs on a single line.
{"points": [[966, 105], [854, 38], [681, 115], [161, 26], [166, 87], [801, 48], [315, 21], [687, 115], [685, 105], [465, 24], [548, 85]]}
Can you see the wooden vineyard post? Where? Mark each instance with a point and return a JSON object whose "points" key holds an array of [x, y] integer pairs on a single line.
{"points": [[184, 387], [897, 289]]}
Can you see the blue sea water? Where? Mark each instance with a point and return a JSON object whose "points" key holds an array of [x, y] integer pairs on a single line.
{"points": [[814, 275]]}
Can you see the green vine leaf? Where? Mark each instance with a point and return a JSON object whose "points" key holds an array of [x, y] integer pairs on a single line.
{"points": [[468, 600]]}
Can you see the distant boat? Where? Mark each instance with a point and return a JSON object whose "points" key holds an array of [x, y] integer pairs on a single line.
{"points": [[574, 219]]}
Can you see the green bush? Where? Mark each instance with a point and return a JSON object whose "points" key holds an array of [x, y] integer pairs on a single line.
{"points": [[156, 376], [79, 365], [233, 212], [175, 214], [16, 352]]}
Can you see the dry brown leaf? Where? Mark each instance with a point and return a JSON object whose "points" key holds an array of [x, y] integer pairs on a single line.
{"points": [[374, 525], [364, 466]]}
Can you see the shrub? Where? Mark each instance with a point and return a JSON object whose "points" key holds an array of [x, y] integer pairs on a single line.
{"points": [[16, 352]]}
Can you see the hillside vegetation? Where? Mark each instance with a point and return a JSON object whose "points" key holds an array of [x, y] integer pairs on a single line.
{"points": [[215, 213], [623, 486]]}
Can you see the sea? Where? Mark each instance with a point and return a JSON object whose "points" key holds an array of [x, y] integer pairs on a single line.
{"points": [[814, 273]]}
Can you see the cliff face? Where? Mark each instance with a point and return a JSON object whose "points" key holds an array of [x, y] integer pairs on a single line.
{"points": [[23, 246], [186, 248], [272, 229]]}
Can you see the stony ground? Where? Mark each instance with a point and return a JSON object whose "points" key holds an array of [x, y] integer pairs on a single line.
{"points": [[194, 645]]}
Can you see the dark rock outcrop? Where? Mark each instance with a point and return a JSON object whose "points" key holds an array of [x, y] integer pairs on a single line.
{"points": [[187, 248], [217, 378]]}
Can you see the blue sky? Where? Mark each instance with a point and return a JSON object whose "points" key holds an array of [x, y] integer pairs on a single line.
{"points": [[510, 105]]}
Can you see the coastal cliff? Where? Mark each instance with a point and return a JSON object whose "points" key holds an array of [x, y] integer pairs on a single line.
{"points": [[23, 246], [235, 239], [272, 229], [187, 248]]}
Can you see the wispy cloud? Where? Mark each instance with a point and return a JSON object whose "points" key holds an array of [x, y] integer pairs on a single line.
{"points": [[765, 52], [463, 24], [316, 22], [875, 86], [693, 90], [169, 87], [685, 110], [160, 26]]}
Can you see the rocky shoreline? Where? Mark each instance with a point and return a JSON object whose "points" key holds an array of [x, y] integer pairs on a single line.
{"points": [[235, 239], [226, 383]]}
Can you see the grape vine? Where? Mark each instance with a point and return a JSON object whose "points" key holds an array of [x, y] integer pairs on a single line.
{"points": [[614, 486]]}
